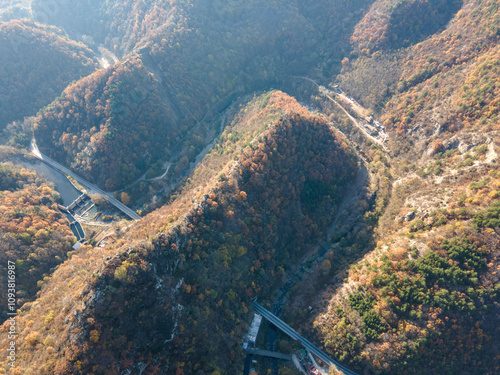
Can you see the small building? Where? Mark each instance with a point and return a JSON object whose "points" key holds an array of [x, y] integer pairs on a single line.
{"points": [[77, 245], [251, 336]]}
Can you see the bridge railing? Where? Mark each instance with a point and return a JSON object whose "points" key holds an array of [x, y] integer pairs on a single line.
{"points": [[285, 328]]}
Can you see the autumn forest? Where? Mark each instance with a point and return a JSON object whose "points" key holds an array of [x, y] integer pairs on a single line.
{"points": [[166, 163]]}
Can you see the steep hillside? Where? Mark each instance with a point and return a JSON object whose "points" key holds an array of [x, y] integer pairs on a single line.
{"points": [[203, 56], [182, 278], [392, 24], [118, 25], [30, 83], [34, 236], [112, 126], [426, 90], [426, 297], [128, 25], [401, 278]]}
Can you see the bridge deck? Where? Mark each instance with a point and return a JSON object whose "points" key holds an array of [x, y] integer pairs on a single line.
{"points": [[92, 189], [285, 328], [266, 353]]}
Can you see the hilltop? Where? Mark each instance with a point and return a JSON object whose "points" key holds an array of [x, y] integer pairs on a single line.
{"points": [[183, 276], [389, 250], [113, 125]]}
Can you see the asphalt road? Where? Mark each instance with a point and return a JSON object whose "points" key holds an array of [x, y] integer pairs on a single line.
{"points": [[91, 188], [285, 328]]}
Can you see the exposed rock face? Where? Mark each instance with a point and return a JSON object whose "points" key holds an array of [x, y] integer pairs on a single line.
{"points": [[410, 216]]}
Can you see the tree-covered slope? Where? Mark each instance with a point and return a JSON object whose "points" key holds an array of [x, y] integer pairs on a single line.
{"points": [[425, 298], [392, 24], [172, 294], [120, 25], [425, 87], [37, 62], [34, 236], [111, 126], [128, 25], [180, 284], [202, 59]]}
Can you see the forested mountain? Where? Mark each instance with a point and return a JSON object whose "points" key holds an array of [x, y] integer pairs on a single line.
{"points": [[131, 24], [426, 299], [429, 81], [389, 248], [118, 25], [266, 191], [392, 24], [113, 125], [201, 59], [37, 62]]}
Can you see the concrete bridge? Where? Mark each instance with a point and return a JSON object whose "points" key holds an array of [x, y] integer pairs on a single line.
{"points": [[267, 353], [90, 187], [286, 329]]}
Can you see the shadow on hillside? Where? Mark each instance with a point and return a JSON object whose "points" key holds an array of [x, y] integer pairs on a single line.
{"points": [[349, 238], [413, 21]]}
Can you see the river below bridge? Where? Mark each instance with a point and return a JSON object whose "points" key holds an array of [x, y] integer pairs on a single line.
{"points": [[65, 188]]}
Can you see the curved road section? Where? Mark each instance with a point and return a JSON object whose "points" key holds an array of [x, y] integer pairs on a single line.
{"points": [[285, 328], [91, 188], [326, 93]]}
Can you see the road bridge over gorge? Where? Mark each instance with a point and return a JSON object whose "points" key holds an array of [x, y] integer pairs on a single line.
{"points": [[286, 329], [267, 353], [90, 187]]}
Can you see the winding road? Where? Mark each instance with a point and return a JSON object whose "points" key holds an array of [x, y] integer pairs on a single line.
{"points": [[91, 188], [354, 120], [289, 331]]}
